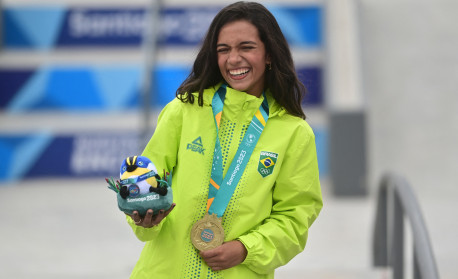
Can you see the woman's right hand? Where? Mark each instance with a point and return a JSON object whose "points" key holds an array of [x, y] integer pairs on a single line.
{"points": [[150, 220]]}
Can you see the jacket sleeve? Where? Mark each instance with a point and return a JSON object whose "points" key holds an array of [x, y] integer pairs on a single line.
{"points": [[162, 150], [297, 202], [144, 234]]}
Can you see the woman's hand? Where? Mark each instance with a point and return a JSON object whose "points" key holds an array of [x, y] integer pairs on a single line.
{"points": [[227, 255], [150, 220]]}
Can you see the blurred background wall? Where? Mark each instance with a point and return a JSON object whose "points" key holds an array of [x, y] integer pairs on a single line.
{"points": [[410, 80]]}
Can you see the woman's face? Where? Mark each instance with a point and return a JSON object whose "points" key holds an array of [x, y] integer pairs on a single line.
{"points": [[242, 57]]}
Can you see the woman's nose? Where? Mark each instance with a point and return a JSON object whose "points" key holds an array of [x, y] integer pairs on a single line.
{"points": [[234, 57]]}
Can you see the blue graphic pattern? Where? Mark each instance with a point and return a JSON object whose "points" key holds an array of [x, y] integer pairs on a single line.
{"points": [[301, 26], [20, 152], [107, 88], [37, 27]]}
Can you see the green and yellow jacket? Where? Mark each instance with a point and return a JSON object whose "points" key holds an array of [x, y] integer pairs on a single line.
{"points": [[270, 211]]}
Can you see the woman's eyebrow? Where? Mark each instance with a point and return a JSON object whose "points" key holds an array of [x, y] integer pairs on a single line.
{"points": [[247, 43], [241, 43]]}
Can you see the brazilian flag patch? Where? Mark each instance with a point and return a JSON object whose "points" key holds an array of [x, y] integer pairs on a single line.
{"points": [[267, 161]]}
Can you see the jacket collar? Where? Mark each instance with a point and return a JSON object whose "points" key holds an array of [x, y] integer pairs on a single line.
{"points": [[274, 107]]}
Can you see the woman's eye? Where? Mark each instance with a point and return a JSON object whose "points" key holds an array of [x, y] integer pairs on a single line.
{"points": [[222, 50]]}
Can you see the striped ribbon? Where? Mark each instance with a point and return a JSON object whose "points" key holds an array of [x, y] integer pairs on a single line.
{"points": [[221, 189]]}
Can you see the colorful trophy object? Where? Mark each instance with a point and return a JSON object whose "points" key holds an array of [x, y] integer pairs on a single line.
{"points": [[141, 188]]}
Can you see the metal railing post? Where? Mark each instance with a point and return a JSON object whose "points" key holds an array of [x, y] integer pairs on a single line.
{"points": [[388, 245], [380, 243], [416, 268], [397, 244]]}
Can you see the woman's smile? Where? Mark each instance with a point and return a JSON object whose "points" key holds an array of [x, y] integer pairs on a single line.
{"points": [[239, 73]]}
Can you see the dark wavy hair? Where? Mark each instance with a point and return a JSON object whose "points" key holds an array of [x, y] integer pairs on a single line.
{"points": [[282, 79]]}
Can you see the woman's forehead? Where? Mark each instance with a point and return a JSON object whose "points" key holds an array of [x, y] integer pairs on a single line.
{"points": [[238, 30]]}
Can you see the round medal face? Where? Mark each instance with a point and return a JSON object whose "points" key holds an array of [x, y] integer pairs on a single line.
{"points": [[134, 190], [207, 233]]}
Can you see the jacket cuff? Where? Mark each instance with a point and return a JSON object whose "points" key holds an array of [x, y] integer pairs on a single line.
{"points": [[249, 241], [144, 234]]}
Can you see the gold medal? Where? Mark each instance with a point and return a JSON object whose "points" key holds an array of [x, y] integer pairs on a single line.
{"points": [[207, 233]]}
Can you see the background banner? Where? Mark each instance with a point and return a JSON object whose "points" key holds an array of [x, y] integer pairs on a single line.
{"points": [[54, 27]]}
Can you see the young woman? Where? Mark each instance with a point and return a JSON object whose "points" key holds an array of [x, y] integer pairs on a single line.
{"points": [[245, 173]]}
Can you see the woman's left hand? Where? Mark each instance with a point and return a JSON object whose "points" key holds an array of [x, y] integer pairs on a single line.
{"points": [[227, 255]]}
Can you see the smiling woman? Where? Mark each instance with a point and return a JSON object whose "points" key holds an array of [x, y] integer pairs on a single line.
{"points": [[280, 75], [244, 160], [242, 57]]}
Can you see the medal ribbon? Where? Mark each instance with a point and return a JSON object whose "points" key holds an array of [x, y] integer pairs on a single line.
{"points": [[221, 189]]}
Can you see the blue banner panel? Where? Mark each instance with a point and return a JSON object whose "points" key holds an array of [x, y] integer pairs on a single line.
{"points": [[312, 78], [79, 155], [168, 78], [53, 27], [106, 88], [301, 26], [102, 27], [84, 155], [20, 152], [11, 82], [70, 88], [185, 25]]}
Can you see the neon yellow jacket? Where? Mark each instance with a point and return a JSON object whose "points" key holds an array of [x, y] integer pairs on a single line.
{"points": [[269, 214]]}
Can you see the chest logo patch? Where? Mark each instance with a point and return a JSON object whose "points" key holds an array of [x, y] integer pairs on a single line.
{"points": [[196, 146], [267, 161]]}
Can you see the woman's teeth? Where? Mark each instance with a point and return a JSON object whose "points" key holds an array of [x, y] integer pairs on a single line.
{"points": [[239, 72]]}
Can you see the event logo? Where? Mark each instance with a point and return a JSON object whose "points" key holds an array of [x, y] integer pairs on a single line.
{"points": [[207, 235], [134, 190], [250, 139], [267, 161]]}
